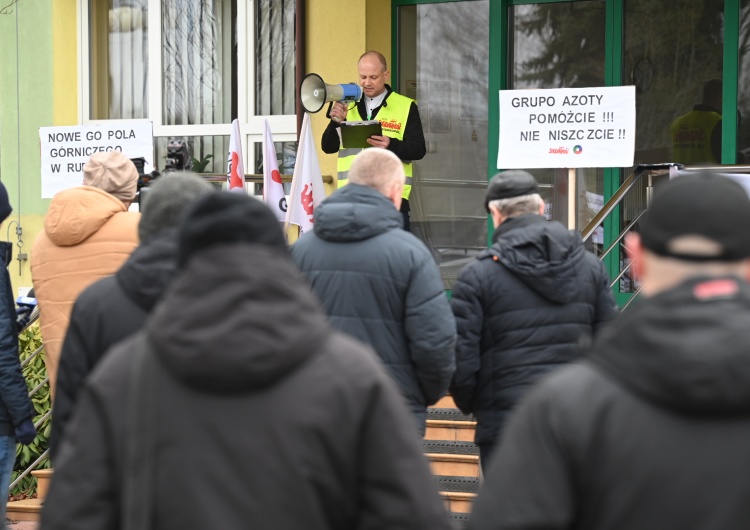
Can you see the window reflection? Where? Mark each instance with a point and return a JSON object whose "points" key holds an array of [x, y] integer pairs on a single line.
{"points": [[669, 67], [443, 63]]}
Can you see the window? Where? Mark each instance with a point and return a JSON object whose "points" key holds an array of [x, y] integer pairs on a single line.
{"points": [[187, 66]]}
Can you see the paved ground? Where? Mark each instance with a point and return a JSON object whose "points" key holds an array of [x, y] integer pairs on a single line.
{"points": [[22, 525]]}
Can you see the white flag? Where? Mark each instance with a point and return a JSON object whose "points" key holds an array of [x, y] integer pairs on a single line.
{"points": [[235, 166], [307, 182], [273, 189]]}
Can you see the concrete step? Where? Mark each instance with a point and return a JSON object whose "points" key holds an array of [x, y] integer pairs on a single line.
{"points": [[449, 447], [448, 430], [445, 402], [448, 465], [28, 509], [458, 502], [447, 414], [462, 484], [25, 510]]}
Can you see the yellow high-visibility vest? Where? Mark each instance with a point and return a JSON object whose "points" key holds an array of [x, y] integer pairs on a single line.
{"points": [[392, 118], [691, 137]]}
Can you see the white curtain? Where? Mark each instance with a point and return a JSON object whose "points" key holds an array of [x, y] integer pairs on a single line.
{"points": [[275, 81], [192, 37], [128, 59]]}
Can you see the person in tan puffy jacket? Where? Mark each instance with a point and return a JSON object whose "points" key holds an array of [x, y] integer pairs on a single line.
{"points": [[88, 233]]}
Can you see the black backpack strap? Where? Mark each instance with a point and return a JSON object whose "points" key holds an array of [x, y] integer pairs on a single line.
{"points": [[139, 474]]}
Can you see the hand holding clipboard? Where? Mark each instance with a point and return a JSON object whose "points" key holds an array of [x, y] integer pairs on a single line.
{"points": [[355, 134]]}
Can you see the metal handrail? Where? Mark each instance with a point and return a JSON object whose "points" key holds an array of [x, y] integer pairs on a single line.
{"points": [[619, 195], [29, 469], [622, 235], [36, 463]]}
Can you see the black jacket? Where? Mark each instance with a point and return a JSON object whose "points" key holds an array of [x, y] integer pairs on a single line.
{"points": [[267, 417], [650, 432], [522, 308], [380, 284], [15, 406], [105, 313], [412, 147]]}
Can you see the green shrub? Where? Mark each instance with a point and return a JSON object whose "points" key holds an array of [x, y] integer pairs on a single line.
{"points": [[34, 372]]}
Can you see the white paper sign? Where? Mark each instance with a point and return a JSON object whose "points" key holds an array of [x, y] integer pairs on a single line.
{"points": [[66, 149], [567, 128]]}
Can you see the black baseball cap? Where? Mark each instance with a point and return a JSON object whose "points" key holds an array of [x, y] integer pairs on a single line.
{"points": [[509, 184], [706, 204]]}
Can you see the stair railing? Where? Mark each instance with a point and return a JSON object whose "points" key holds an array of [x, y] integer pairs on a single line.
{"points": [[649, 171], [36, 463]]}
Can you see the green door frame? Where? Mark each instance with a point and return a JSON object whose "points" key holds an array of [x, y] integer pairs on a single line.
{"points": [[614, 37]]}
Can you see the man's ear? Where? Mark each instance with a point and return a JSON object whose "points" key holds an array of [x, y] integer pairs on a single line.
{"points": [[497, 217], [634, 250], [396, 195]]}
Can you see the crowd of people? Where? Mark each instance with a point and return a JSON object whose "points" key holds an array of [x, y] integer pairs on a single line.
{"points": [[207, 375]]}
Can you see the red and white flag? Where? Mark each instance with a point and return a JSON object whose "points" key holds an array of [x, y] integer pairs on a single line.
{"points": [[235, 166], [307, 183], [273, 189]]}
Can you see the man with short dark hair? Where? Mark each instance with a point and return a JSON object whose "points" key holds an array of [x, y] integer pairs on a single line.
{"points": [[651, 428], [116, 306], [523, 306]]}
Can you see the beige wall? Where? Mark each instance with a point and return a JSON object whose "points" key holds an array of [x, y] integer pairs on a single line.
{"points": [[338, 32]]}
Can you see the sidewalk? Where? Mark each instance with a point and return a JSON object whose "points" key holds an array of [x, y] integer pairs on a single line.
{"points": [[23, 525]]}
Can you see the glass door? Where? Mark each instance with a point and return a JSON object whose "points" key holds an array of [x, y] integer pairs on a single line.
{"points": [[443, 62]]}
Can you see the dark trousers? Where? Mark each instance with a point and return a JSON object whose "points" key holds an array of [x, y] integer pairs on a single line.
{"points": [[485, 453]]}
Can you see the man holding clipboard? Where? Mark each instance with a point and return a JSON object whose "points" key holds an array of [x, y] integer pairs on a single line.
{"points": [[401, 127]]}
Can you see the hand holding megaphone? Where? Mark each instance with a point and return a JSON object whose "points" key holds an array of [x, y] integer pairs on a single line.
{"points": [[314, 93], [338, 111]]}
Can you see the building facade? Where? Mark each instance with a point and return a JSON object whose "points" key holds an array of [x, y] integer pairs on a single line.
{"points": [[191, 66]]}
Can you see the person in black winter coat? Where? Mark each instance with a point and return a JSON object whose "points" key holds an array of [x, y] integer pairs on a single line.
{"points": [[523, 307], [117, 306], [379, 283], [15, 406], [263, 415], [651, 429]]}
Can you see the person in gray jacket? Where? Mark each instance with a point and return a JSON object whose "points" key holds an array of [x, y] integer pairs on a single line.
{"points": [[379, 283]]}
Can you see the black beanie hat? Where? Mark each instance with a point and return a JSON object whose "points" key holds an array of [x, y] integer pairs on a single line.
{"points": [[225, 217], [508, 184], [5, 207], [708, 205]]}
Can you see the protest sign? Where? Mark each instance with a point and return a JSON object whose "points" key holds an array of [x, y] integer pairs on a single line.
{"points": [[567, 128], [66, 149]]}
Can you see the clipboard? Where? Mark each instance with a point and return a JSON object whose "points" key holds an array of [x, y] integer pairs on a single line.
{"points": [[354, 134]]}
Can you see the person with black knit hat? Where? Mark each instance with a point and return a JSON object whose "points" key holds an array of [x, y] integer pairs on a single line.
{"points": [[651, 428], [265, 418], [15, 407], [522, 307]]}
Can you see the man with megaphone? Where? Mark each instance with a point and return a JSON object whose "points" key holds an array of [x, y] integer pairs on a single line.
{"points": [[398, 115]]}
